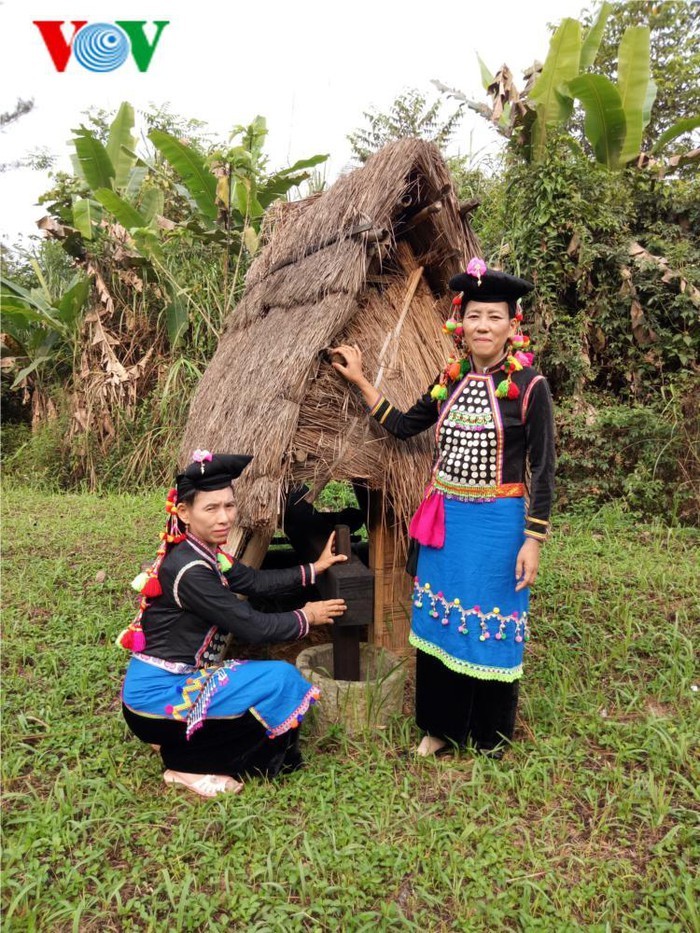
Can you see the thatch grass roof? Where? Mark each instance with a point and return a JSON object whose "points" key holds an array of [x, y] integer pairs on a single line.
{"points": [[337, 267]]}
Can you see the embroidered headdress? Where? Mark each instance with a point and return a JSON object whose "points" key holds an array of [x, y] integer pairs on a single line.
{"points": [[479, 283]]}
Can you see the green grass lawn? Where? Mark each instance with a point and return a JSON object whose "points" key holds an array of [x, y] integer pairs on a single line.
{"points": [[589, 823]]}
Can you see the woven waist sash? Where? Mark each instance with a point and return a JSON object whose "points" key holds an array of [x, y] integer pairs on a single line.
{"points": [[459, 491], [428, 524]]}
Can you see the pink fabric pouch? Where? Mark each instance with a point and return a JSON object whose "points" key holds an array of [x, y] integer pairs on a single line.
{"points": [[428, 524]]}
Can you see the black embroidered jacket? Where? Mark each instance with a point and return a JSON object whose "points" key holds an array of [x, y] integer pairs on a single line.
{"points": [[189, 623]]}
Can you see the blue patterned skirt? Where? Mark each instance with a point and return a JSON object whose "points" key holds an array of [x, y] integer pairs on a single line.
{"points": [[466, 612], [273, 691]]}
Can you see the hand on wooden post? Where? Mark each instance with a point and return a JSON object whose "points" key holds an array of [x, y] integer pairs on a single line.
{"points": [[324, 611], [328, 556]]}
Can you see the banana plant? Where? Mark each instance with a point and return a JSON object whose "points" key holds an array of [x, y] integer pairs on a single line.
{"points": [[108, 167], [44, 328], [615, 114], [230, 188]]}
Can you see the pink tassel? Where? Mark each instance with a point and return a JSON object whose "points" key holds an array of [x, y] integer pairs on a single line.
{"points": [[138, 642], [428, 524], [525, 359]]}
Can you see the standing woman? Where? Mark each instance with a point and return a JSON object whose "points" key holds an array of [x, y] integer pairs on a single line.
{"points": [[479, 544], [214, 721]]}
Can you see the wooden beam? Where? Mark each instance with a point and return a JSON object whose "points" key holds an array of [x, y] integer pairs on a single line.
{"points": [[466, 207], [393, 336], [422, 215]]}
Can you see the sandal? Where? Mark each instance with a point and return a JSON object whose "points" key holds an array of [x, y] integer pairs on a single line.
{"points": [[206, 785]]}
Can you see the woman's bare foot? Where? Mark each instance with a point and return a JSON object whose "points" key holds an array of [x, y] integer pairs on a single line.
{"points": [[429, 746], [206, 785]]}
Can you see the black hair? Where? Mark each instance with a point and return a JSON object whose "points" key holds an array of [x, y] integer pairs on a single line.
{"points": [[512, 306], [188, 497]]}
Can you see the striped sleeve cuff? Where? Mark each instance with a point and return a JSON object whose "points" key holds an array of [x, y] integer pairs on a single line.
{"points": [[308, 574], [380, 411], [537, 528], [303, 623]]}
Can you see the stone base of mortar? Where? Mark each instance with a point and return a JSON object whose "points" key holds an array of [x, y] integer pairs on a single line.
{"points": [[368, 703]]}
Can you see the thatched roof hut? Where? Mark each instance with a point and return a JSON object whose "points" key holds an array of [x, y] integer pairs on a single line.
{"points": [[365, 262]]}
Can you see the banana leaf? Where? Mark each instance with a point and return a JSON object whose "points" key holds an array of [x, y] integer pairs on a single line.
{"points": [[72, 302], [591, 42], [487, 78], [190, 166], [311, 162], [177, 321], [250, 239], [137, 176], [604, 123], [125, 213], [686, 125], [24, 314], [561, 66], [148, 243], [94, 162], [152, 204], [120, 136], [22, 375], [86, 214], [633, 79]]}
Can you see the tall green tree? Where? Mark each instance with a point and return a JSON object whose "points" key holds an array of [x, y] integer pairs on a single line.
{"points": [[410, 114]]}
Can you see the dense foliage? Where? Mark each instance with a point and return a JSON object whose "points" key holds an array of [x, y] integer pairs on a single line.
{"points": [[114, 317], [106, 343]]}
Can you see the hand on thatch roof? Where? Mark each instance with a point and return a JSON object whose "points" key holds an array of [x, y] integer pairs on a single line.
{"points": [[351, 366]]}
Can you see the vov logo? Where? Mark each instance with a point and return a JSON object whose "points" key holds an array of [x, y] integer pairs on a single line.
{"points": [[100, 46]]}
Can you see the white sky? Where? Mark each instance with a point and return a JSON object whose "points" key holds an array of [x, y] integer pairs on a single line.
{"points": [[310, 67]]}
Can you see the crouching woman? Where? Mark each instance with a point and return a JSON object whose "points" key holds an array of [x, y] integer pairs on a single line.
{"points": [[216, 721]]}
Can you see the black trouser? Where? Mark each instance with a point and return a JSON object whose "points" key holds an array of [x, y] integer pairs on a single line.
{"points": [[459, 708], [237, 747]]}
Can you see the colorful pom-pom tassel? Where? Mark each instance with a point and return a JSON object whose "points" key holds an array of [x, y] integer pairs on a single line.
{"points": [[123, 639], [132, 638], [502, 390], [152, 588], [453, 371], [513, 390], [451, 326], [224, 560], [438, 393], [525, 359]]}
